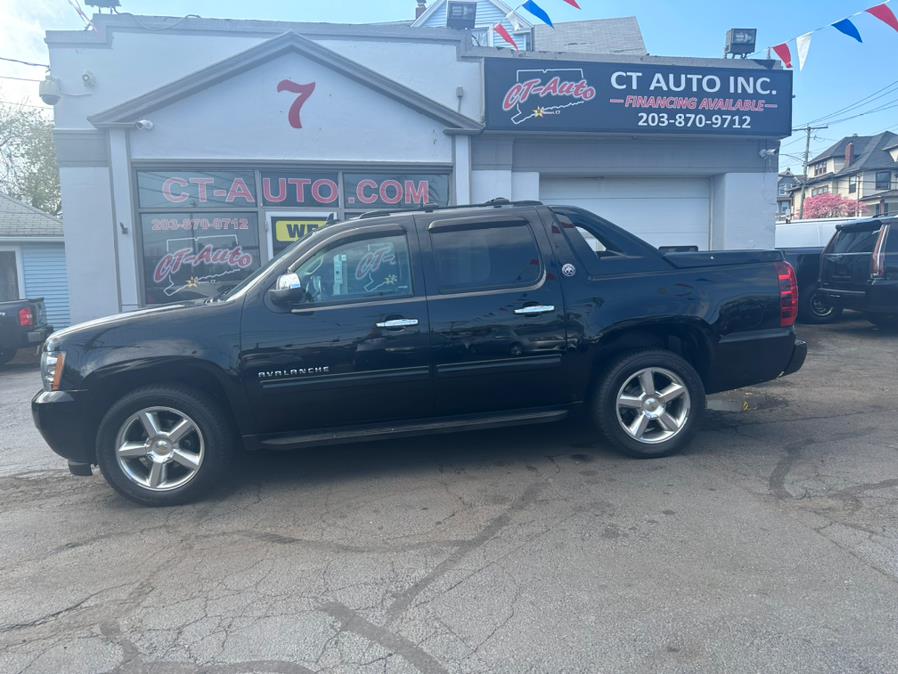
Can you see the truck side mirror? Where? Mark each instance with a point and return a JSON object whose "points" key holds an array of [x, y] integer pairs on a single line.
{"points": [[287, 291]]}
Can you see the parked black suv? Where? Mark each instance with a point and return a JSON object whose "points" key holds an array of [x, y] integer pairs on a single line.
{"points": [[408, 323], [859, 270]]}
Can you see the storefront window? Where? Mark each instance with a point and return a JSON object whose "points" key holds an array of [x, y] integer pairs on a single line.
{"points": [[291, 189], [195, 255], [194, 189], [288, 229], [203, 231], [367, 191]]}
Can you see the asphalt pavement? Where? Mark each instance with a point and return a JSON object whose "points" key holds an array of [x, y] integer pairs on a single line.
{"points": [[770, 545]]}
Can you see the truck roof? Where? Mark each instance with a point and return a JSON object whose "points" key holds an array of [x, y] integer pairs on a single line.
{"points": [[498, 202]]}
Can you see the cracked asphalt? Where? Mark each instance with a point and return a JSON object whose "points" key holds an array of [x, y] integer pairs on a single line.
{"points": [[771, 545]]}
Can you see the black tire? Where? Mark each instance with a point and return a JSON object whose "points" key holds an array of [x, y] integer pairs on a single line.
{"points": [[215, 443], [625, 367], [814, 309], [887, 322], [6, 356]]}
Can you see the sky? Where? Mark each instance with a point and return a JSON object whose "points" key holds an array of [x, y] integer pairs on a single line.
{"points": [[839, 71]]}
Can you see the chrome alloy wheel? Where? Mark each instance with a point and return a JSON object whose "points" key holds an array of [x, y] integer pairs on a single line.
{"points": [[653, 405], [159, 448]]}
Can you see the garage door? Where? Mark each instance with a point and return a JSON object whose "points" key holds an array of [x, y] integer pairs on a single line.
{"points": [[663, 211]]}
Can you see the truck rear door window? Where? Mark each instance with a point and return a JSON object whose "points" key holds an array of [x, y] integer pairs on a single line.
{"points": [[482, 258], [855, 241]]}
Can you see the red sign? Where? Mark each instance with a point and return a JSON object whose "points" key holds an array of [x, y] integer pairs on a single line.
{"points": [[303, 92]]}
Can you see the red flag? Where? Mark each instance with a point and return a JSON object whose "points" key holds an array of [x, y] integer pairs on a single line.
{"points": [[499, 28], [782, 50], [884, 14], [573, 3]]}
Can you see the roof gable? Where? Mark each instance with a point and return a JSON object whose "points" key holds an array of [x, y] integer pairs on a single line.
{"points": [[620, 35], [496, 10], [871, 153], [19, 220], [127, 113]]}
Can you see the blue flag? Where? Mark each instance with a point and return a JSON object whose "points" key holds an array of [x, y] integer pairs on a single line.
{"points": [[537, 11], [845, 26]]}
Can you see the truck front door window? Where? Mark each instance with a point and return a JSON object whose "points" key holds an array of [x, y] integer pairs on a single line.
{"points": [[358, 270]]}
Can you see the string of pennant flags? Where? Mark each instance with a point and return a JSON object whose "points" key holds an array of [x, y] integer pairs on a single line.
{"points": [[802, 42], [845, 26], [534, 9]]}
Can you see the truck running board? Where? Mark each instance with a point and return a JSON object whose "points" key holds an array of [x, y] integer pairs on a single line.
{"points": [[381, 432]]}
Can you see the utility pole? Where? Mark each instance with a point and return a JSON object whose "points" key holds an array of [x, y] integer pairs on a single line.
{"points": [[807, 156]]}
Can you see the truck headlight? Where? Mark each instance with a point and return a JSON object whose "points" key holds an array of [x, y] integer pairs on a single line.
{"points": [[52, 365]]}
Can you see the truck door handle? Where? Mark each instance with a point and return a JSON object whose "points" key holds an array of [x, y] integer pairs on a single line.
{"points": [[535, 309], [396, 323]]}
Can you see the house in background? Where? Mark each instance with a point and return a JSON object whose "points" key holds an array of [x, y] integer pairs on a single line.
{"points": [[600, 36], [785, 184], [857, 167], [32, 258]]}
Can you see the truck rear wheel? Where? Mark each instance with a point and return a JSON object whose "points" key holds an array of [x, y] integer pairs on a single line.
{"points": [[161, 445], [6, 356], [650, 403]]}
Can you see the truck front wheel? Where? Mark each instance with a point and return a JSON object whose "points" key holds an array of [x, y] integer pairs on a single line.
{"points": [[162, 445], [649, 403]]}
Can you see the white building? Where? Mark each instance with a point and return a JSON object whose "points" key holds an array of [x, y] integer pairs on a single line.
{"points": [[192, 150]]}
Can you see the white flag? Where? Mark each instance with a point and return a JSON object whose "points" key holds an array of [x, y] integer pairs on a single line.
{"points": [[803, 45], [515, 22]]}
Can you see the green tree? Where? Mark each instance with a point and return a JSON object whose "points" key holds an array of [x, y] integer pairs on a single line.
{"points": [[28, 168]]}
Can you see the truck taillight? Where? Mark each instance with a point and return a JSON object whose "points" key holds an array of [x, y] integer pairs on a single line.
{"points": [[878, 261], [26, 317], [788, 283]]}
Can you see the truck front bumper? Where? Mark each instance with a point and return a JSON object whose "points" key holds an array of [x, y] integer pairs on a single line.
{"points": [[65, 421]]}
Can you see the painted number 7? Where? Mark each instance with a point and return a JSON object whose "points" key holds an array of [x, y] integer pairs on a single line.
{"points": [[302, 91]]}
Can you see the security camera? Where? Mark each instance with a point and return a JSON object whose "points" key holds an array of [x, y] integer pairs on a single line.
{"points": [[767, 153], [143, 124], [89, 80], [49, 90]]}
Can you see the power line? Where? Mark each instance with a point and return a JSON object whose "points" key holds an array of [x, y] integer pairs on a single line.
{"points": [[890, 104], [24, 63], [25, 105], [879, 93], [21, 79]]}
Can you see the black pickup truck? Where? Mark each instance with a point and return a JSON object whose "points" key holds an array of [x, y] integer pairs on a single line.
{"points": [[23, 323], [417, 322], [859, 270]]}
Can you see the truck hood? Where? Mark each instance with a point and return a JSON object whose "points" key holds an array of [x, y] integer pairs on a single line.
{"points": [[88, 329]]}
